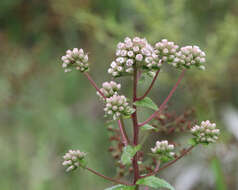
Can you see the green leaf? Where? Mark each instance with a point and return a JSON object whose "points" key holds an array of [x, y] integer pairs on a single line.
{"points": [[128, 153], [148, 127], [192, 142], [121, 187], [147, 103], [154, 182]]}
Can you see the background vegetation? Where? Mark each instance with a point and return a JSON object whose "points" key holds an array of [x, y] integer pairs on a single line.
{"points": [[44, 112]]}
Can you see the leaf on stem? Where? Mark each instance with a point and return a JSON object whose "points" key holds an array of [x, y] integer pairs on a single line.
{"points": [[121, 187], [147, 103], [154, 182], [128, 153], [148, 127]]}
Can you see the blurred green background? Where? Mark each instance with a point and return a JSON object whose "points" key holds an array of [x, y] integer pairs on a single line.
{"points": [[44, 112]]}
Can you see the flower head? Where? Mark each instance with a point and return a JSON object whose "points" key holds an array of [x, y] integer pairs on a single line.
{"points": [[190, 56], [117, 106], [109, 89], [75, 58], [73, 159], [163, 149], [166, 50], [136, 51], [205, 133]]}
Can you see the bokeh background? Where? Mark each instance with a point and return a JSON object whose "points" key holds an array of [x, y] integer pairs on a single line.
{"points": [[44, 112]]}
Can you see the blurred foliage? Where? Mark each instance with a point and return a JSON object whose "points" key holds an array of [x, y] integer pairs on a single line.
{"points": [[45, 112]]}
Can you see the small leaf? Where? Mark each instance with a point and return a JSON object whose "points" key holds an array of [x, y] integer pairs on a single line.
{"points": [[148, 127], [147, 103], [128, 153], [154, 182], [192, 142], [121, 187]]}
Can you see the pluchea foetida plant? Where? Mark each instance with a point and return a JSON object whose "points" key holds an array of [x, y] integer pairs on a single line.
{"points": [[136, 57]]}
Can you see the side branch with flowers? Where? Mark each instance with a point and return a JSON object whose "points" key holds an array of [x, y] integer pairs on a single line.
{"points": [[136, 57]]}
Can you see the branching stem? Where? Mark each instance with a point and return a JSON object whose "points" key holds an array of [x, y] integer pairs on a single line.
{"points": [[162, 106], [169, 163], [150, 87], [135, 128], [94, 84], [123, 131], [108, 178]]}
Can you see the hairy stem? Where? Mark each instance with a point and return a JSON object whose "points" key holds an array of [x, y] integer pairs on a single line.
{"points": [[108, 178], [94, 84], [150, 87], [135, 127], [123, 131], [162, 106]]}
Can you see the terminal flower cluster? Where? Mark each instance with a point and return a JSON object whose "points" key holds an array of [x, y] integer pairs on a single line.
{"points": [[163, 149], [109, 89], [75, 58], [73, 159], [206, 132], [166, 50], [190, 56], [117, 105], [136, 51]]}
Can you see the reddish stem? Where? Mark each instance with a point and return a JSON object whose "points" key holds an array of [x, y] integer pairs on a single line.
{"points": [[135, 127], [108, 178], [123, 132], [170, 163], [94, 84], [162, 106], [150, 87]]}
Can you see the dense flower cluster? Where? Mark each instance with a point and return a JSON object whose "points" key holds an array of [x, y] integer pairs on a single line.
{"points": [[166, 50], [190, 56], [133, 51], [117, 105], [73, 159], [109, 89], [75, 58], [163, 149], [206, 132]]}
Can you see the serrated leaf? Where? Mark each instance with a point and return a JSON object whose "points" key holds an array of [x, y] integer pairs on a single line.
{"points": [[121, 187], [154, 182], [147, 103], [128, 153], [148, 127]]}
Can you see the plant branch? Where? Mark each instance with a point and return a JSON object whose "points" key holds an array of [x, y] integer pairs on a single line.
{"points": [[108, 178], [123, 132], [150, 87], [162, 106], [94, 84], [170, 163], [135, 127]]}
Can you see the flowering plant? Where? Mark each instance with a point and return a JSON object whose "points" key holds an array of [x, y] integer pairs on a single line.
{"points": [[135, 57]]}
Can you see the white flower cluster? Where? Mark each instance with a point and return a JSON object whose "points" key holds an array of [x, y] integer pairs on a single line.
{"points": [[75, 58], [117, 105], [109, 89], [189, 56], [166, 50], [133, 51], [206, 132], [163, 148], [72, 159]]}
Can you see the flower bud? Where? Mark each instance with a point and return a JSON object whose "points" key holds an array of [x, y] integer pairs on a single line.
{"points": [[117, 106], [163, 149], [75, 58], [205, 133], [73, 159]]}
